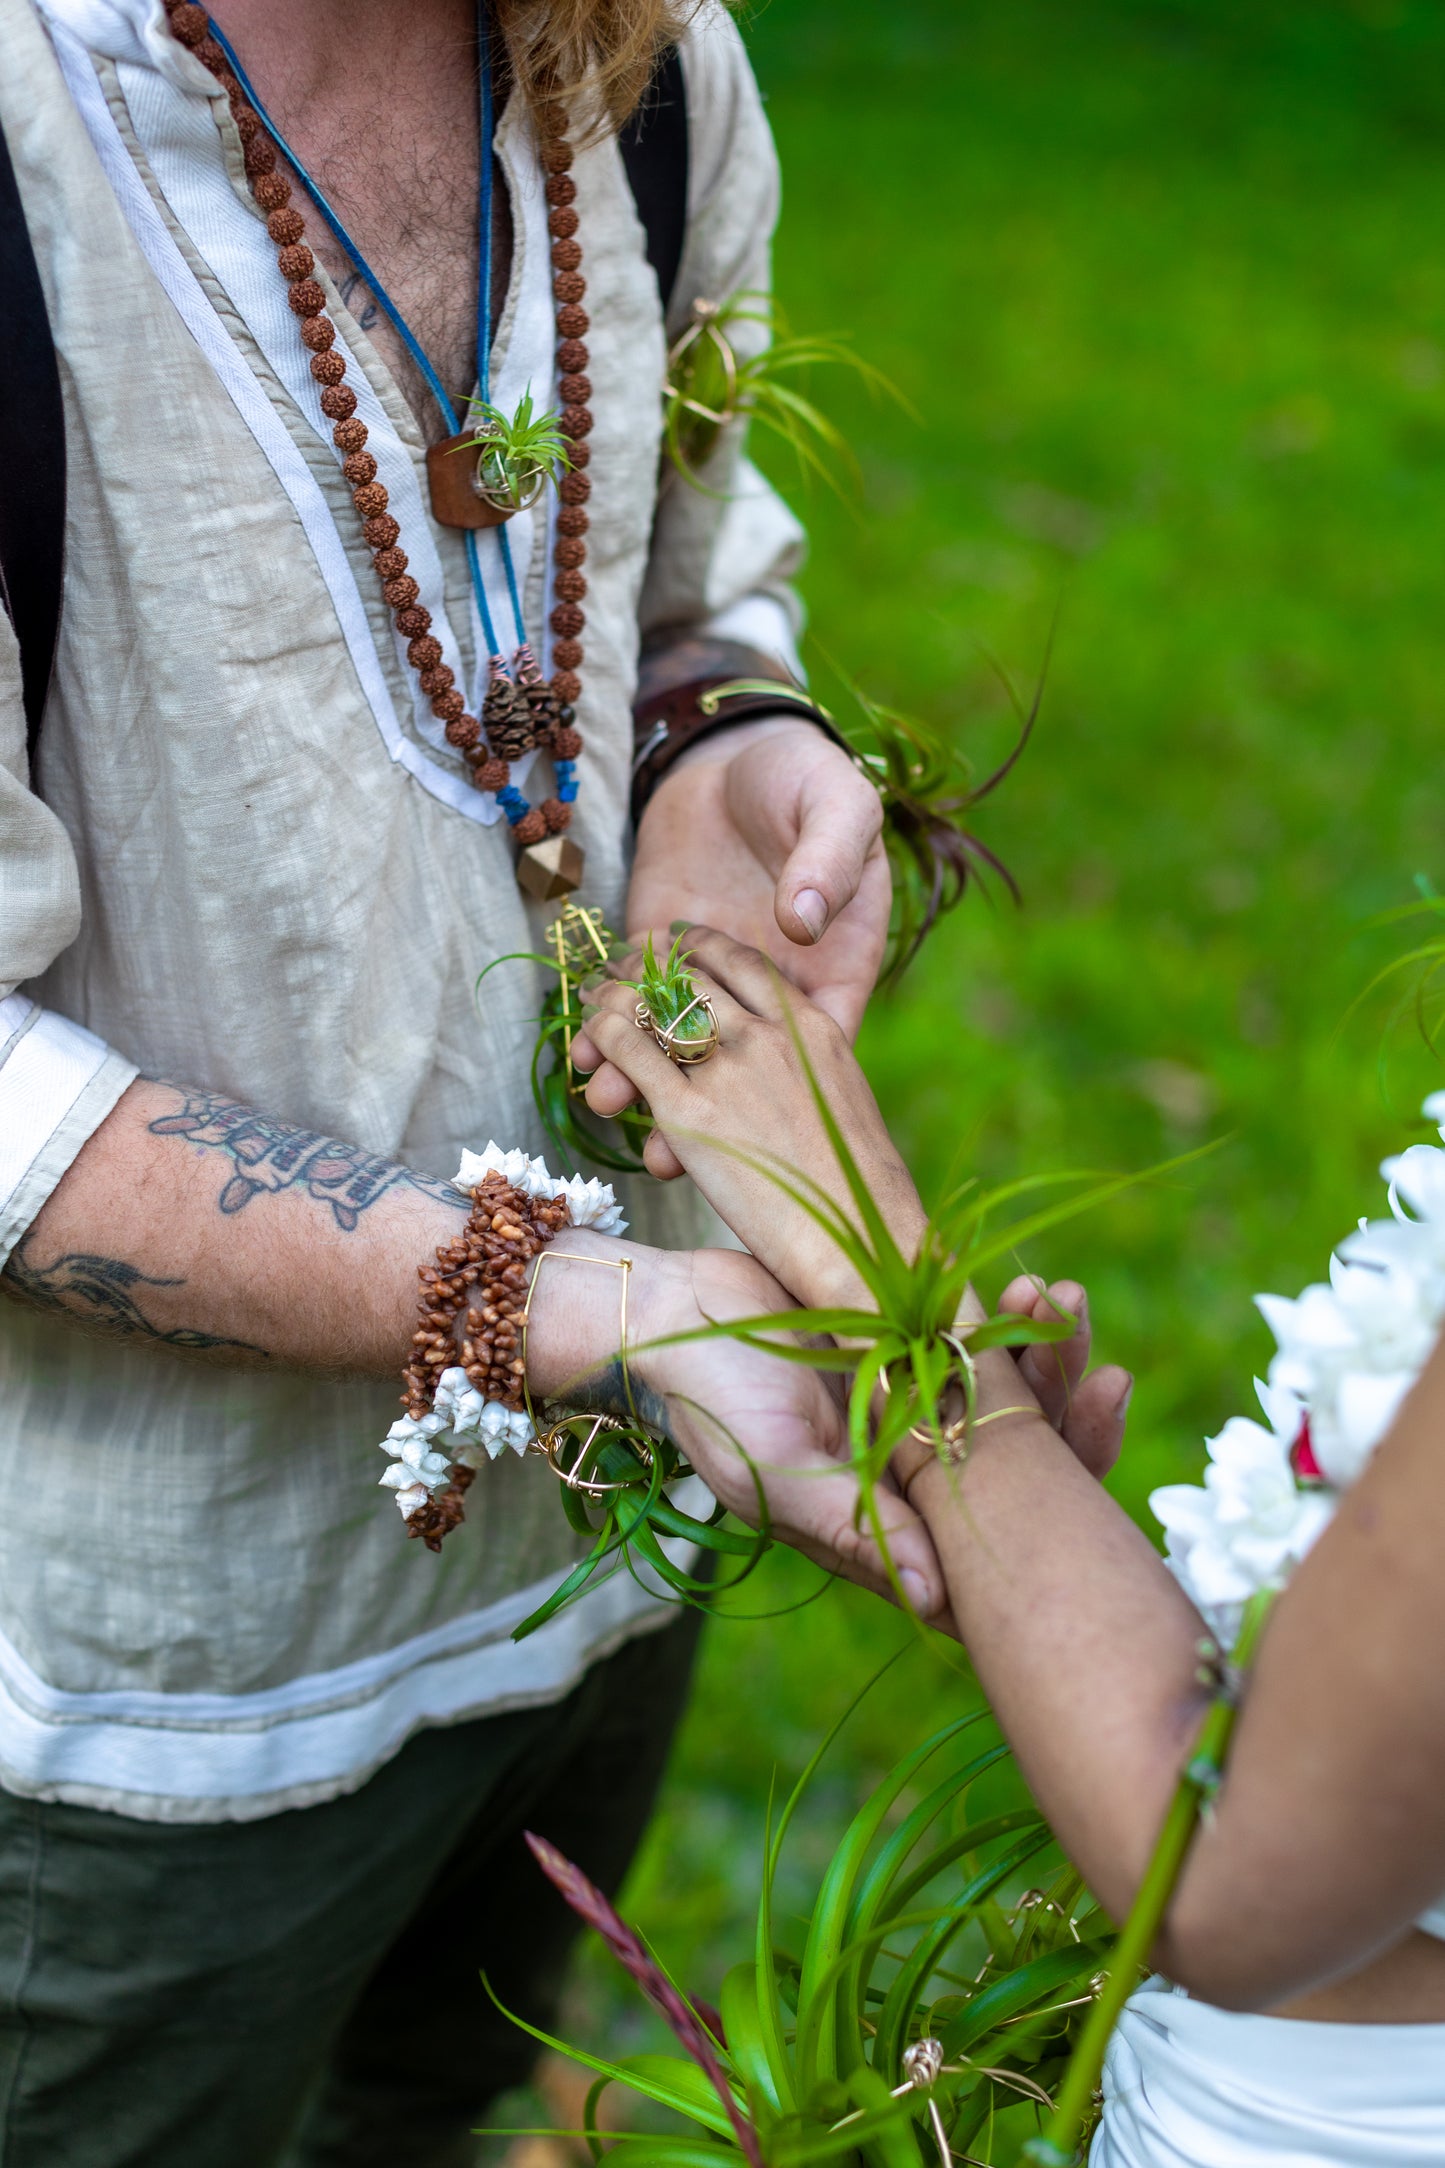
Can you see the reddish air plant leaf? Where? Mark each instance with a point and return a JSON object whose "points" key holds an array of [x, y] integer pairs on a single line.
{"points": [[588, 1902], [1306, 1468]]}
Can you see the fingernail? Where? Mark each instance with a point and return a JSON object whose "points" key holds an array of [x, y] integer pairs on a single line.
{"points": [[812, 909], [916, 1589], [1121, 1405]]}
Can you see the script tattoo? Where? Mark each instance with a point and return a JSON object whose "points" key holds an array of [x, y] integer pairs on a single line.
{"points": [[102, 1291], [271, 1156]]}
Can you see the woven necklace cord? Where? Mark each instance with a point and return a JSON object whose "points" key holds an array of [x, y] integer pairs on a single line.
{"points": [[393, 314]]}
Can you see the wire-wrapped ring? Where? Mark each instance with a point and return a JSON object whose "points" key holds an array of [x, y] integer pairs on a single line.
{"points": [[686, 1053], [548, 1445]]}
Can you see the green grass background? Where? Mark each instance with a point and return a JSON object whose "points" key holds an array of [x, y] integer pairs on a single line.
{"points": [[1165, 280]]}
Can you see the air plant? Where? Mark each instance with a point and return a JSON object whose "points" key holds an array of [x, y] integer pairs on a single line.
{"points": [[928, 2012], [669, 1004], [709, 384], [928, 793], [517, 454], [615, 1478], [909, 1358]]}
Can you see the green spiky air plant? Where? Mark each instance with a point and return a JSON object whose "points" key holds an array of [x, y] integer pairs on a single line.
{"points": [[908, 1355], [929, 794], [927, 2015], [517, 454], [615, 1478], [709, 384], [669, 1004]]}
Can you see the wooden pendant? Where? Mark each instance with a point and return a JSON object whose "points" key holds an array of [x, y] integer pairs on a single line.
{"points": [[550, 869], [451, 471]]}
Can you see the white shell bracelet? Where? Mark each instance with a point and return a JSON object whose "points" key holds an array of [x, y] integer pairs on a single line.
{"points": [[462, 1428]]}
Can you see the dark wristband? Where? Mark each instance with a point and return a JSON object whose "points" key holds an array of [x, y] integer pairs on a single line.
{"points": [[666, 724]]}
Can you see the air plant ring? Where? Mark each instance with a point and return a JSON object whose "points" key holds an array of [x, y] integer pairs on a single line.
{"points": [[687, 1051], [552, 1446]]}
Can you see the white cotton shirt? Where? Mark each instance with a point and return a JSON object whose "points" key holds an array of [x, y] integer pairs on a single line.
{"points": [[252, 864], [1190, 2086]]}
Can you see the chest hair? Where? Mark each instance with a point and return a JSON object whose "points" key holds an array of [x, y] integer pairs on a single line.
{"points": [[398, 158]]}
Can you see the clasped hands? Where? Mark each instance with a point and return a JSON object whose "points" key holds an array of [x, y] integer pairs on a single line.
{"points": [[774, 829]]}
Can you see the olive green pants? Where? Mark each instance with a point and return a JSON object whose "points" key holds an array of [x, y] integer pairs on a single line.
{"points": [[305, 1990]]}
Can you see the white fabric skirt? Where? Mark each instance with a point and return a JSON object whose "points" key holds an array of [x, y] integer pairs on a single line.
{"points": [[1189, 2086]]}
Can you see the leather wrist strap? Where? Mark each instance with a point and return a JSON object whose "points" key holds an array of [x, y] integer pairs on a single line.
{"points": [[667, 723]]}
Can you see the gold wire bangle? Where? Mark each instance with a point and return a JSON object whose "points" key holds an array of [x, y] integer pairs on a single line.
{"points": [[547, 1443], [946, 1439]]}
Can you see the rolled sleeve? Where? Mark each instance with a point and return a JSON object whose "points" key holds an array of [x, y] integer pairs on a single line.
{"points": [[58, 1081]]}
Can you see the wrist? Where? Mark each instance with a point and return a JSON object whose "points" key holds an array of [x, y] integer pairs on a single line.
{"points": [[671, 722], [721, 745], [585, 1289]]}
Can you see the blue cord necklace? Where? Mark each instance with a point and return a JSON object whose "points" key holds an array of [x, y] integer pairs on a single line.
{"points": [[521, 709]]}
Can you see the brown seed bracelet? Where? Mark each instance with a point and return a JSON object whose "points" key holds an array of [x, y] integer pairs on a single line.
{"points": [[485, 1269]]}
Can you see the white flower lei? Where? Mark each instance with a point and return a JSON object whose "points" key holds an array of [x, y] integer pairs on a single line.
{"points": [[1348, 1353], [462, 1427]]}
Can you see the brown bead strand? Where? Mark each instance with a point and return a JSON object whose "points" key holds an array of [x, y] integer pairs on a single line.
{"points": [[272, 193], [516, 714], [569, 553], [492, 1255]]}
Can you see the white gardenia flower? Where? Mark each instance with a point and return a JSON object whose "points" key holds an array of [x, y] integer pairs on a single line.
{"points": [[1418, 1176], [1352, 1350], [1251, 1522]]}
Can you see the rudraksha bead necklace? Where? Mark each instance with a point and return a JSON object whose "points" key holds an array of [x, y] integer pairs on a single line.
{"points": [[521, 709]]}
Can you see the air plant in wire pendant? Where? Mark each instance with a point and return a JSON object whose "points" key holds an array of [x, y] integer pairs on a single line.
{"points": [[516, 455]]}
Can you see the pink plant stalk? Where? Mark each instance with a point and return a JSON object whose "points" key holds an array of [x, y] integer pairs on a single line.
{"points": [[588, 1902]]}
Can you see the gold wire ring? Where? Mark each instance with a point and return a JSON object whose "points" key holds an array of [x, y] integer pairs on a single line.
{"points": [[549, 1443], [951, 1435], [686, 1053]]}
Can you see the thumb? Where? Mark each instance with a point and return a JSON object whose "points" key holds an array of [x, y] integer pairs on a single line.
{"points": [[840, 818]]}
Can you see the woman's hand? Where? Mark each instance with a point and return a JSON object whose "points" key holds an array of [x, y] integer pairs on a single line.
{"points": [[745, 1419], [751, 1108]]}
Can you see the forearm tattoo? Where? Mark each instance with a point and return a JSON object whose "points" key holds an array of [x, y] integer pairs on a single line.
{"points": [[104, 1292], [271, 1156]]}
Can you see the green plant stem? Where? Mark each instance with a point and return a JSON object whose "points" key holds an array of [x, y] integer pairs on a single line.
{"points": [[1057, 2146]]}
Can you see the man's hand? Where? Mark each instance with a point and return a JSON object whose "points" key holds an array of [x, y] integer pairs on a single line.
{"points": [[770, 833]]}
